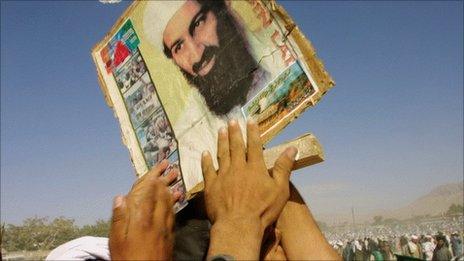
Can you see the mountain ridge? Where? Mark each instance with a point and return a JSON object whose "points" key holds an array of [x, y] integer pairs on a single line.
{"points": [[435, 202]]}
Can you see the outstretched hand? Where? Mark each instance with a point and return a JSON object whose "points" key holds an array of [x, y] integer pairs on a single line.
{"points": [[242, 194], [143, 220]]}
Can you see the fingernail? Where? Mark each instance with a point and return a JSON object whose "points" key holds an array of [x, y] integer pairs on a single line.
{"points": [[291, 152], [164, 162], [174, 174], [251, 121], [177, 195], [117, 201], [233, 122], [222, 130], [204, 153]]}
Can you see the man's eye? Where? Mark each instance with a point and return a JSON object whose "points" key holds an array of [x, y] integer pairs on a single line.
{"points": [[177, 47], [200, 20], [198, 23]]}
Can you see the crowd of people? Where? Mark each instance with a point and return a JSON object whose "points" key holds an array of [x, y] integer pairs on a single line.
{"points": [[430, 240]]}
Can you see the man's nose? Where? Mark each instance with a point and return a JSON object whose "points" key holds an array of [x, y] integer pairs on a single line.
{"points": [[195, 50]]}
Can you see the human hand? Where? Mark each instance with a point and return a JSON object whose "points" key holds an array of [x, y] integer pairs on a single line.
{"points": [[242, 196], [143, 220], [272, 248]]}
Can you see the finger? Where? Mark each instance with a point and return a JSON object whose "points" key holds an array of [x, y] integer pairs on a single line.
{"points": [[163, 216], [278, 236], [279, 253], [170, 177], [283, 166], [156, 171], [163, 208], [152, 178], [118, 220], [223, 153], [170, 220], [209, 173], [237, 147], [254, 145], [159, 168], [268, 236], [269, 243], [141, 208], [176, 196], [142, 202]]}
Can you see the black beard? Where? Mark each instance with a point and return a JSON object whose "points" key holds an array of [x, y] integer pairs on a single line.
{"points": [[227, 84]]}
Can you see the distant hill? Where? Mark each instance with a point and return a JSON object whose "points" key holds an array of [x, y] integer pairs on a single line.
{"points": [[435, 202]]}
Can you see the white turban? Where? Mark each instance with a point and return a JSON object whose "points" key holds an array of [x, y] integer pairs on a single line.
{"points": [[155, 18]]}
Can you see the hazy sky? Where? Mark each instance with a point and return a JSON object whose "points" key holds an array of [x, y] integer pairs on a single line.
{"points": [[392, 128]]}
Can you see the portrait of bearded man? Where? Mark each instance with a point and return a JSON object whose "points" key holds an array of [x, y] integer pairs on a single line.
{"points": [[204, 40], [225, 57]]}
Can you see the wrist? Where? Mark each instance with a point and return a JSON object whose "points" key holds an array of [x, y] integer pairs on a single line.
{"points": [[252, 225], [294, 208], [238, 237]]}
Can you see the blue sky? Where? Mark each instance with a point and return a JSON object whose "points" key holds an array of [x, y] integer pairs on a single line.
{"points": [[392, 128]]}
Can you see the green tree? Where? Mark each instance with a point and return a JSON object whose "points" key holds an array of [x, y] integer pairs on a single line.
{"points": [[39, 234], [2, 233], [101, 228], [25, 236], [60, 230]]}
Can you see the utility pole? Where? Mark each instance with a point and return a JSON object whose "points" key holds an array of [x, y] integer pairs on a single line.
{"points": [[352, 216]]}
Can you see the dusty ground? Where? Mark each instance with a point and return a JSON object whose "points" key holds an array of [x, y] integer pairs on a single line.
{"points": [[25, 255]]}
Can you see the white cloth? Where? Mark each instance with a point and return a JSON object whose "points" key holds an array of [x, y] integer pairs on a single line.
{"points": [[427, 248], [357, 246], [156, 16], [83, 248]]}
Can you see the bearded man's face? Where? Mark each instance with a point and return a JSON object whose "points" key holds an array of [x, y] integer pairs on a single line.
{"points": [[203, 41]]}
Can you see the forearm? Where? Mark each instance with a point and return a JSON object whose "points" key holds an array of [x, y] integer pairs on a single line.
{"points": [[301, 237], [239, 238]]}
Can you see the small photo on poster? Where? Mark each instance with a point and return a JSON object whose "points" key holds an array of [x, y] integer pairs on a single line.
{"points": [[275, 102], [173, 165], [156, 138], [120, 48], [129, 73], [141, 100]]}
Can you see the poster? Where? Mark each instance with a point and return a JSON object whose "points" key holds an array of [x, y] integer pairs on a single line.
{"points": [[175, 72]]}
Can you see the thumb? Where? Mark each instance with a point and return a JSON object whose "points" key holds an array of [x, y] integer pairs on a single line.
{"points": [[283, 166], [118, 222]]}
